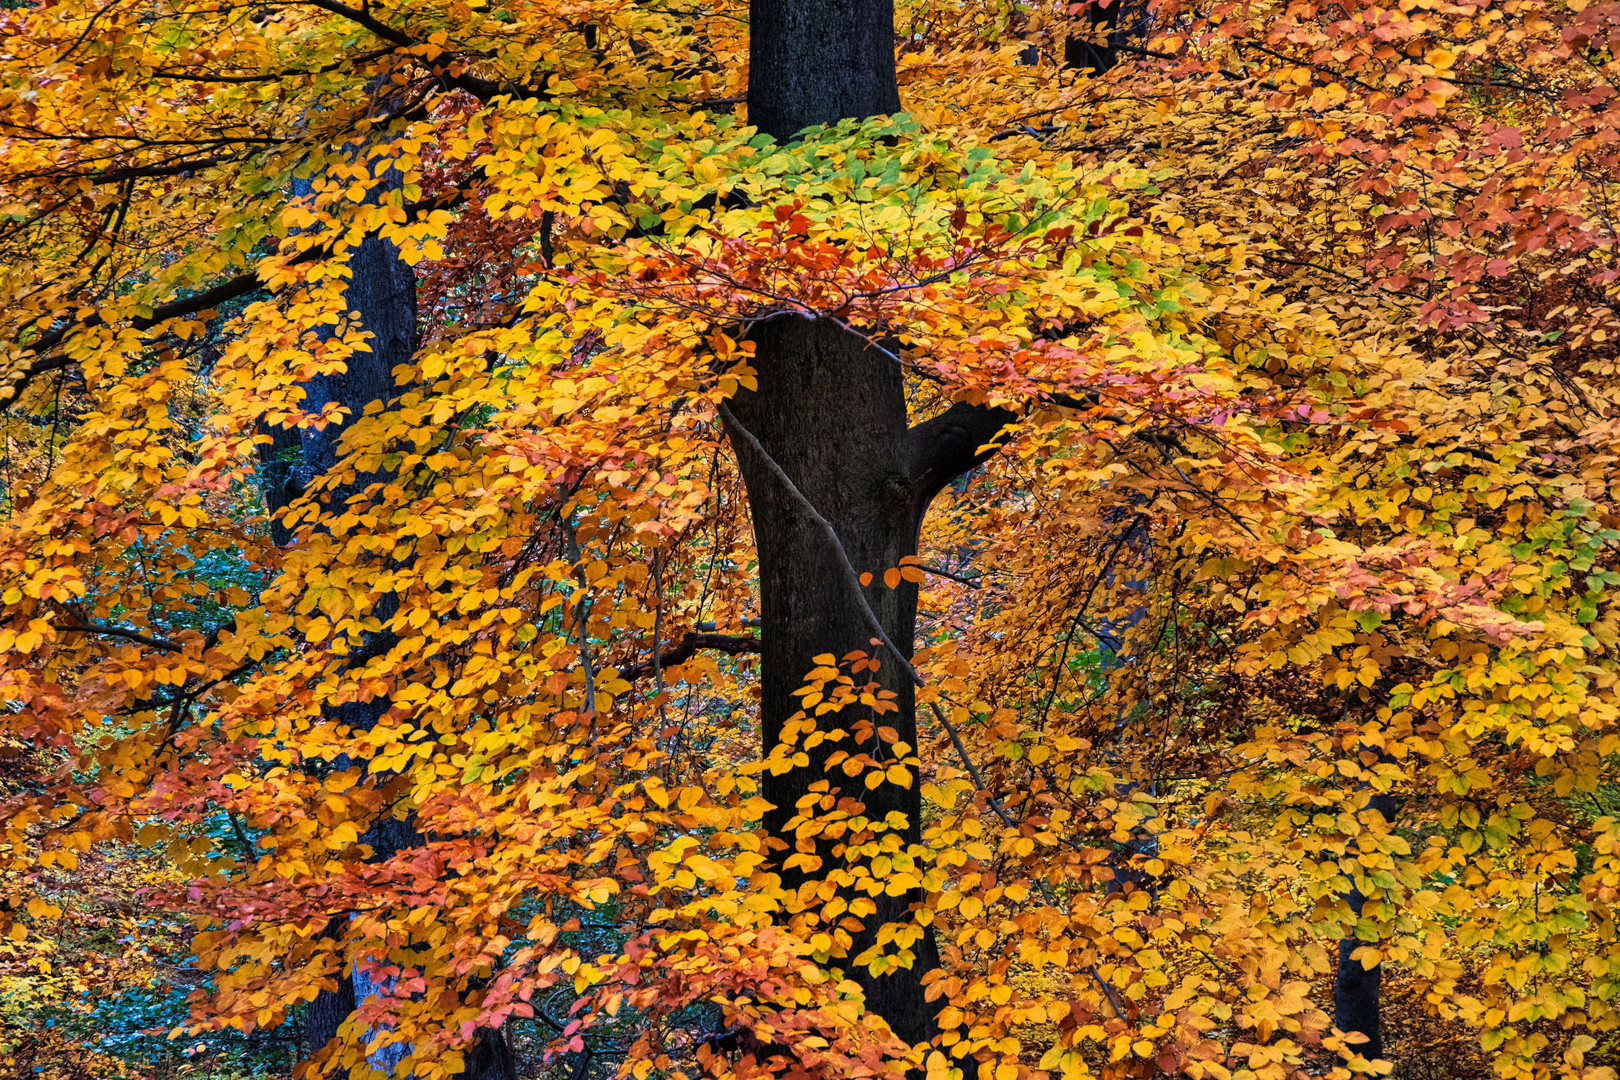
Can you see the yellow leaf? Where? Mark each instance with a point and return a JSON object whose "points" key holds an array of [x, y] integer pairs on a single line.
{"points": [[39, 909]]}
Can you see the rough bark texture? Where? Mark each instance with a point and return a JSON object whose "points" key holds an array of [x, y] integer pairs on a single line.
{"points": [[382, 291], [818, 62], [1355, 989], [329, 1009], [831, 412]]}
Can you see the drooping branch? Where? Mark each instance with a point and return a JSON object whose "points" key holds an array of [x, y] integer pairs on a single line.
{"points": [[237, 286], [244, 284], [686, 648], [482, 89], [967, 763]]}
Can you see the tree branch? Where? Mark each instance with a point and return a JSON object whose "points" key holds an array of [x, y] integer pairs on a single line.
{"points": [[225, 290], [241, 285], [582, 615], [117, 631], [939, 450], [972, 583], [730, 644], [482, 89], [972, 769]]}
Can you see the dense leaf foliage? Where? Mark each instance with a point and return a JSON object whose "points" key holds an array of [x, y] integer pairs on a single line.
{"points": [[1302, 317]]}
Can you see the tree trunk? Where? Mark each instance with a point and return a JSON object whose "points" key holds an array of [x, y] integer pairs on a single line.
{"points": [[1356, 989], [830, 411], [832, 414], [819, 62], [382, 293], [330, 1007], [1081, 53]]}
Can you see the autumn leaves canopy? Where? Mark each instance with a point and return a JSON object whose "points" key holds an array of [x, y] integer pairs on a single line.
{"points": [[1260, 620]]}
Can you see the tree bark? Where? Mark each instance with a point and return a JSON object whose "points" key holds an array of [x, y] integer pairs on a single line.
{"points": [[830, 411], [1081, 53], [1356, 990], [818, 62], [330, 1007]]}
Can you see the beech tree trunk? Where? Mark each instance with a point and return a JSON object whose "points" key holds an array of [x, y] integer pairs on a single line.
{"points": [[833, 416], [1356, 989], [830, 411], [382, 293], [819, 62]]}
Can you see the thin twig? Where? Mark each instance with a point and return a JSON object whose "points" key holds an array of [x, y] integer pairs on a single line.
{"points": [[967, 763], [582, 614], [972, 583]]}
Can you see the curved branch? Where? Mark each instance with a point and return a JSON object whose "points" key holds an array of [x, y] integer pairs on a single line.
{"points": [[482, 89], [686, 648], [119, 632], [939, 450]]}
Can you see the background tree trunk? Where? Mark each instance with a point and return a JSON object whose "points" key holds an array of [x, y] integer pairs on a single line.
{"points": [[382, 293], [1082, 53], [1356, 990]]}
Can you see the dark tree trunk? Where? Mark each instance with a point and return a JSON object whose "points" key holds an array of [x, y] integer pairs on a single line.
{"points": [[490, 1058], [830, 411], [330, 1007], [1355, 989], [832, 414], [1082, 53], [382, 293], [818, 62]]}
